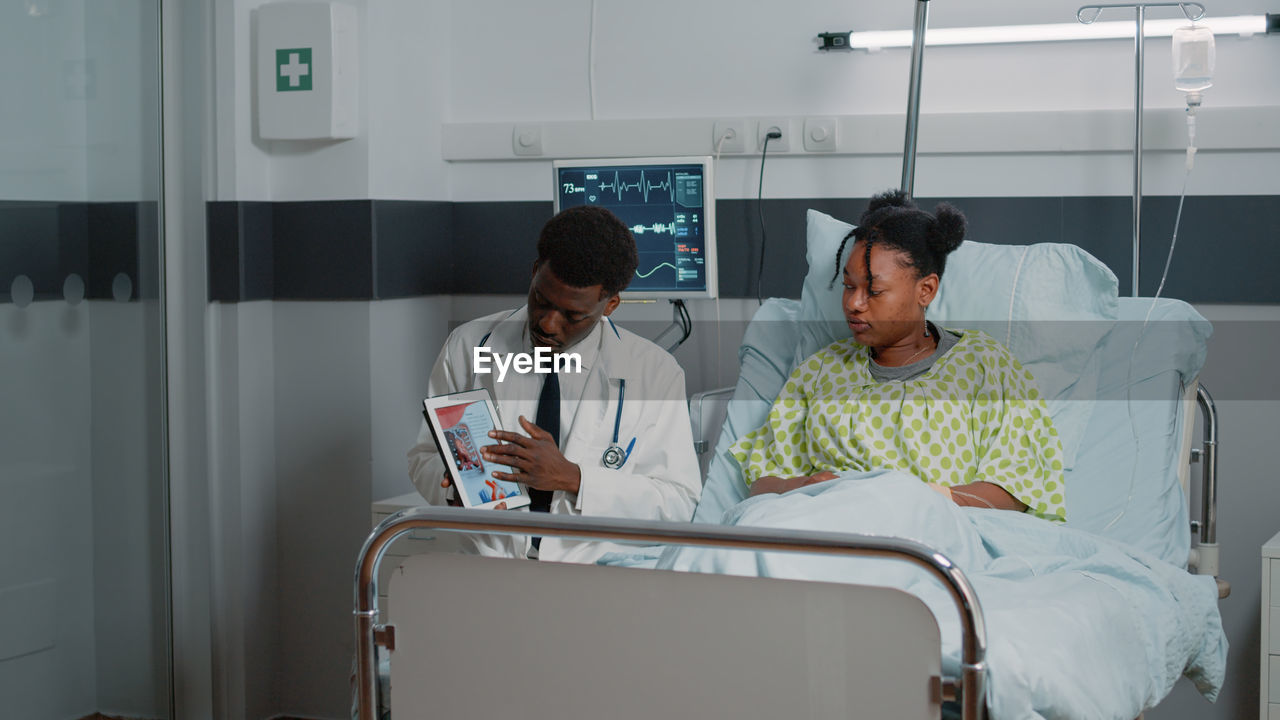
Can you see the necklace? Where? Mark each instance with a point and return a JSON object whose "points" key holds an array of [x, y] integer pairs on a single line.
{"points": [[913, 357]]}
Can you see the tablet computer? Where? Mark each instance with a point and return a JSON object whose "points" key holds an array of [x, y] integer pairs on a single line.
{"points": [[460, 424]]}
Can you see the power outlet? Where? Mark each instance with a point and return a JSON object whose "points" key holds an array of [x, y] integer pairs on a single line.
{"points": [[782, 125], [729, 136]]}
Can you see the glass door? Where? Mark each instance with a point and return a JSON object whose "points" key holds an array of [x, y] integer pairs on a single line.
{"points": [[84, 616]]}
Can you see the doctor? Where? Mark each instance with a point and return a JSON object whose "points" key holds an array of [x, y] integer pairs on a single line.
{"points": [[610, 437]]}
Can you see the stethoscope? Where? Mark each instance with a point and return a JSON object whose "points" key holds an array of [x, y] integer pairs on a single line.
{"points": [[614, 456]]}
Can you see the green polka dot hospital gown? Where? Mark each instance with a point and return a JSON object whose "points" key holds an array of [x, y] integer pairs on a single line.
{"points": [[976, 415]]}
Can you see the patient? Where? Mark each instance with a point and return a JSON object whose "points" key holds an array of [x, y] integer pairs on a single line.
{"points": [[955, 409]]}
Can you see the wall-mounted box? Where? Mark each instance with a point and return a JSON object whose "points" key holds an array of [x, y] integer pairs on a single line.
{"points": [[308, 71]]}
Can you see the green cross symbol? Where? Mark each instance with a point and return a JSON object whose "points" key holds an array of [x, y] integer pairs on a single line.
{"points": [[293, 69]]}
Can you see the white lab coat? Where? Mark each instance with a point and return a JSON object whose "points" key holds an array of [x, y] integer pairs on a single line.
{"points": [[661, 478]]}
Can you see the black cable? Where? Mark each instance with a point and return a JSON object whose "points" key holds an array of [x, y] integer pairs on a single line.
{"points": [[680, 317], [771, 135], [686, 322]]}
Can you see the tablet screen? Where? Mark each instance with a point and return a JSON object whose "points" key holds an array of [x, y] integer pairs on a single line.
{"points": [[462, 423]]}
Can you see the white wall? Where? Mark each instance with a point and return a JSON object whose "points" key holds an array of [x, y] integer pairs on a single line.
{"points": [[410, 73], [348, 380], [404, 77], [250, 168], [493, 61], [404, 338], [719, 59], [244, 505], [322, 414], [312, 407]]}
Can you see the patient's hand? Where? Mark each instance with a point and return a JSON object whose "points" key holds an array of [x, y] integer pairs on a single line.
{"points": [[766, 484], [823, 476], [775, 484]]}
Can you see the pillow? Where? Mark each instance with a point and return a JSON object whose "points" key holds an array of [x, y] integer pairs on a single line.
{"points": [[1049, 303]]}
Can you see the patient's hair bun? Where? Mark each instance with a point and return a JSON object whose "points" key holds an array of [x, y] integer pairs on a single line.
{"points": [[889, 198], [948, 228], [892, 220]]}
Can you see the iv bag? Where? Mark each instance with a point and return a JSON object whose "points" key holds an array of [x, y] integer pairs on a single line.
{"points": [[1193, 56]]}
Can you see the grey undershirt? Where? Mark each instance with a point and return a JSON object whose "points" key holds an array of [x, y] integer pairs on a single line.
{"points": [[946, 341]]}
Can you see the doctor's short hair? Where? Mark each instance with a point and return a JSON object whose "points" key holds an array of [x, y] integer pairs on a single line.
{"points": [[588, 245]]}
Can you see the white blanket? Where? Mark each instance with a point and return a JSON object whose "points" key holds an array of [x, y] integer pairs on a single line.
{"points": [[1077, 626]]}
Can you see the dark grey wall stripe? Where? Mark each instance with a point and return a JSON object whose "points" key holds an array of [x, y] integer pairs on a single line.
{"points": [[322, 250], [328, 250], [368, 249], [44, 241], [47, 241], [496, 245], [1228, 248], [240, 264], [412, 247]]}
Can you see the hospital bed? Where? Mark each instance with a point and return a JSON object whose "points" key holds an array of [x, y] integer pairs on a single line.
{"points": [[485, 637]]}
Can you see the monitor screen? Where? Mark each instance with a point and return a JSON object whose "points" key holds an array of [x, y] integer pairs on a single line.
{"points": [[669, 204]]}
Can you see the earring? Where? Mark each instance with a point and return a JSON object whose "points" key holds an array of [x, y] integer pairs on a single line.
{"points": [[926, 328]]}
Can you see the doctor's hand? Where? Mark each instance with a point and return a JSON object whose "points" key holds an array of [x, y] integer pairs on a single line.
{"points": [[446, 483], [535, 458]]}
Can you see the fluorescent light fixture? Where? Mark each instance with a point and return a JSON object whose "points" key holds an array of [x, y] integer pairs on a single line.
{"points": [[1244, 25]]}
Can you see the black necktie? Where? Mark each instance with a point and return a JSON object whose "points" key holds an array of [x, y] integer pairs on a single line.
{"points": [[547, 418]]}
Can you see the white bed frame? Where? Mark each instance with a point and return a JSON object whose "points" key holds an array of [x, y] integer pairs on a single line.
{"points": [[493, 637]]}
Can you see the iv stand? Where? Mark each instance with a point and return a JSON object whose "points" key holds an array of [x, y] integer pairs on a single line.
{"points": [[913, 98], [1086, 15]]}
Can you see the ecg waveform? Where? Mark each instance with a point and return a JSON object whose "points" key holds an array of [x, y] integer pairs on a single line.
{"points": [[669, 228], [655, 269], [619, 187]]}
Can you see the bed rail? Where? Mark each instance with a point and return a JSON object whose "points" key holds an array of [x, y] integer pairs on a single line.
{"points": [[718, 399], [970, 693], [1204, 559]]}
